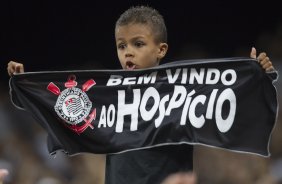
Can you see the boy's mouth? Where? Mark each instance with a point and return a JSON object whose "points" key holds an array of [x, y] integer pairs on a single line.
{"points": [[130, 66]]}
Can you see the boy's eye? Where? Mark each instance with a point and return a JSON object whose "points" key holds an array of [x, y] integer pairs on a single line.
{"points": [[121, 46], [139, 44]]}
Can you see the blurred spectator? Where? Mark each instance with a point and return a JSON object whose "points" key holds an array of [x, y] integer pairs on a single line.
{"points": [[3, 173], [23, 149], [180, 178]]}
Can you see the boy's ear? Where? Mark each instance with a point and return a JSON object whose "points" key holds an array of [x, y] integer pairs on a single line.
{"points": [[162, 50]]}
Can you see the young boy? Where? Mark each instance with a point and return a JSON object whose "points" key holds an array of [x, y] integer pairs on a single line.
{"points": [[141, 41]]}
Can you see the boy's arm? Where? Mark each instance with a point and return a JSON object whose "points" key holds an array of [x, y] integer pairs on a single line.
{"points": [[263, 60], [15, 67]]}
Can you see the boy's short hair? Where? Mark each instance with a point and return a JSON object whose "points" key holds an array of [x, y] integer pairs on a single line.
{"points": [[145, 15]]}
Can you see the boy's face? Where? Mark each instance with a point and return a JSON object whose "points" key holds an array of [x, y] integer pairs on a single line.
{"points": [[137, 48]]}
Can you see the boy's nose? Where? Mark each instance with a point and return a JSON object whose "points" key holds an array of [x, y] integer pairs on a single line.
{"points": [[129, 52]]}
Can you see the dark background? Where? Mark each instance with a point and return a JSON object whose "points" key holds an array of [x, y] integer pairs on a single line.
{"points": [[61, 35]]}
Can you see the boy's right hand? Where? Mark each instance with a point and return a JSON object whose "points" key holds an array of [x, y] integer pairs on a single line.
{"points": [[15, 67]]}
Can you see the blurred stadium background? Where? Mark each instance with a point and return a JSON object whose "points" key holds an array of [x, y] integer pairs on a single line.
{"points": [[80, 35]]}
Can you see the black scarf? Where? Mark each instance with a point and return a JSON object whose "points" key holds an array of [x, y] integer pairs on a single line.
{"points": [[225, 103]]}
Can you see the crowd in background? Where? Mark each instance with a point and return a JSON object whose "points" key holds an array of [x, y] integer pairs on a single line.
{"points": [[23, 146]]}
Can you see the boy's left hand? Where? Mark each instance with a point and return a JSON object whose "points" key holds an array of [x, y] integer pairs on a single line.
{"points": [[263, 60]]}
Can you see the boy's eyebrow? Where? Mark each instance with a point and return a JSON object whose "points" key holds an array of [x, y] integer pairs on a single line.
{"points": [[133, 38]]}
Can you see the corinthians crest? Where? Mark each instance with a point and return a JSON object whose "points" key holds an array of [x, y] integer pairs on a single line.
{"points": [[73, 105]]}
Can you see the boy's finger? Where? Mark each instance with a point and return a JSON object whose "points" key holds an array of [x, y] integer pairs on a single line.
{"points": [[19, 68], [11, 68], [253, 53], [264, 60], [270, 69], [267, 65], [10, 71], [261, 56]]}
